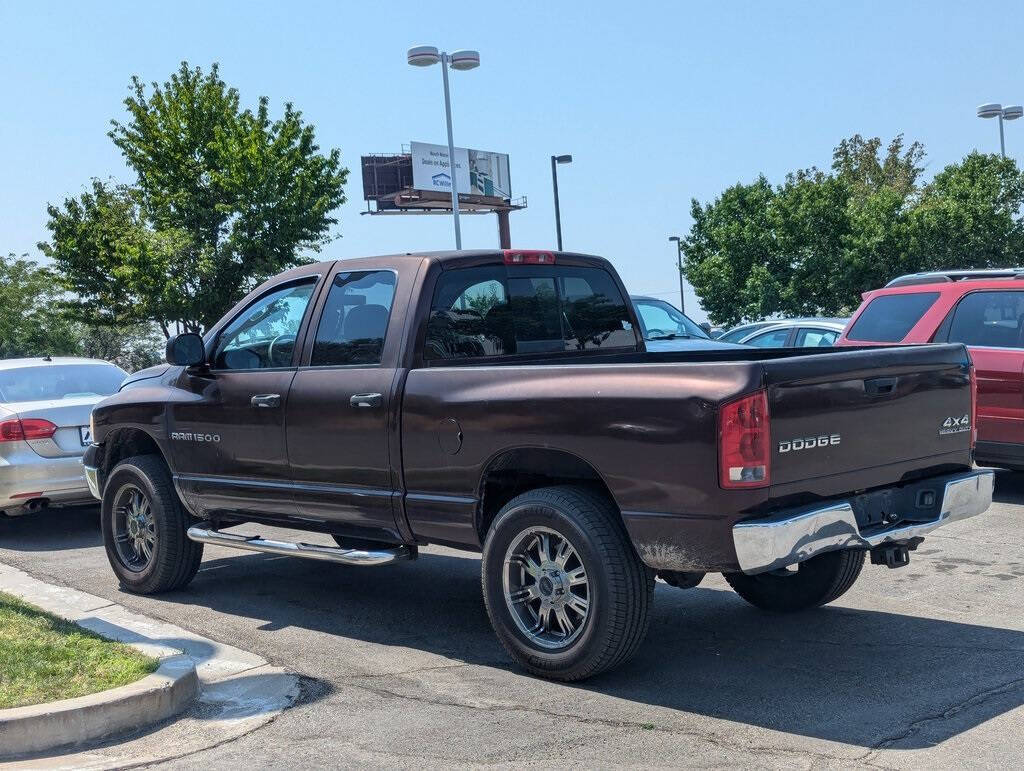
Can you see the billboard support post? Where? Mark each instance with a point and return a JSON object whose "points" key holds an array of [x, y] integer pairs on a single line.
{"points": [[451, 151], [504, 231]]}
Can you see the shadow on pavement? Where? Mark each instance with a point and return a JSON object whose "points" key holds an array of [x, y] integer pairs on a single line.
{"points": [[861, 677], [1009, 487], [52, 529], [853, 676]]}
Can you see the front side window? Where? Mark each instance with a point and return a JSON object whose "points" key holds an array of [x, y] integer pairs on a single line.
{"points": [[263, 335], [989, 320], [480, 312], [355, 319], [889, 318], [772, 339]]}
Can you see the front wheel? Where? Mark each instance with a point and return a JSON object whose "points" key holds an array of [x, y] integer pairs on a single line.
{"points": [[566, 593], [809, 584], [144, 528]]}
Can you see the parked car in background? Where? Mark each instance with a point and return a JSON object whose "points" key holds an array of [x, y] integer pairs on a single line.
{"points": [[44, 429], [666, 328], [984, 309], [796, 333], [736, 334]]}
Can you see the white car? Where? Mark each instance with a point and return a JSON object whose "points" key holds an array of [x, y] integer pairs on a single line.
{"points": [[44, 429]]}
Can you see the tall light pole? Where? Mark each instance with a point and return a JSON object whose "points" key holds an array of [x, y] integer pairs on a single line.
{"points": [[679, 264], [996, 110], [426, 56], [555, 160]]}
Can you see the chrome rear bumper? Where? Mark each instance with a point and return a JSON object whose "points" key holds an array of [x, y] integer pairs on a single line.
{"points": [[791, 537]]}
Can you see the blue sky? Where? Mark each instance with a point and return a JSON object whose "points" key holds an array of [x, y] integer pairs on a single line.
{"points": [[657, 102]]}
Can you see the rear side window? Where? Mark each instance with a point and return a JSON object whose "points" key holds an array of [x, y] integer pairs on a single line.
{"points": [[889, 318], [478, 312], [355, 319], [989, 320]]}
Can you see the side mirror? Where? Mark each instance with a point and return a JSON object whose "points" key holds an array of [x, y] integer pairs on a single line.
{"points": [[185, 350], [706, 327]]}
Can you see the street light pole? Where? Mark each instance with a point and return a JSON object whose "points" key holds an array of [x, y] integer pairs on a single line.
{"points": [[679, 265], [555, 160], [451, 151], [426, 56]]}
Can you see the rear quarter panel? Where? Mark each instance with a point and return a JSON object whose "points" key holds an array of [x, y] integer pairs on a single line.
{"points": [[650, 432]]}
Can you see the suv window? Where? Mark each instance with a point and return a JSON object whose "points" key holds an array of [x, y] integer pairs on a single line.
{"points": [[479, 312], [263, 335], [989, 320], [355, 319], [815, 337], [889, 318]]}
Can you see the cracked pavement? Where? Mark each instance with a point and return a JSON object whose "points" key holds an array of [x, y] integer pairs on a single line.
{"points": [[919, 667]]}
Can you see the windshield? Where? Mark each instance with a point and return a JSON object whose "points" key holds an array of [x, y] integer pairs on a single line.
{"points": [[661, 321], [59, 381]]}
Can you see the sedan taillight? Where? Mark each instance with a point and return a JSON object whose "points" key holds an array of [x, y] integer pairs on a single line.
{"points": [[744, 442], [15, 429]]}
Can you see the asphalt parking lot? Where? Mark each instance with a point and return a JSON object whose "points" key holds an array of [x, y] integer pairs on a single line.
{"points": [[917, 667]]}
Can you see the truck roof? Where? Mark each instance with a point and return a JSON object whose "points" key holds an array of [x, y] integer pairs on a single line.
{"points": [[447, 257]]}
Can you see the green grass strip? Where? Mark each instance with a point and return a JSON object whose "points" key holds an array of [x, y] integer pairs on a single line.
{"points": [[45, 658]]}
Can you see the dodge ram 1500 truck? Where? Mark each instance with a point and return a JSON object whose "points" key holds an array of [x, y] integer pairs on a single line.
{"points": [[504, 402]]}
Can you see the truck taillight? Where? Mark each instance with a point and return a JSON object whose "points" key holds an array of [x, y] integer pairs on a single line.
{"points": [[15, 430], [528, 257], [974, 406], [744, 442]]}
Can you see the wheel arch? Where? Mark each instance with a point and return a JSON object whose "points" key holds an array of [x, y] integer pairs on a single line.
{"points": [[516, 470], [124, 443]]}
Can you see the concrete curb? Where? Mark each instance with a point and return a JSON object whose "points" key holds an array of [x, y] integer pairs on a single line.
{"points": [[40, 727], [219, 691]]}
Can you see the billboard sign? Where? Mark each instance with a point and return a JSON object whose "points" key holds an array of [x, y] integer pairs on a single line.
{"points": [[478, 172]]}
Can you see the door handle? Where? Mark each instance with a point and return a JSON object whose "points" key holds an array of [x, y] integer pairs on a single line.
{"points": [[366, 400], [266, 400]]}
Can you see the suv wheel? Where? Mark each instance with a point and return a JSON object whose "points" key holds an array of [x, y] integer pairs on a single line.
{"points": [[144, 528], [817, 581], [565, 591]]}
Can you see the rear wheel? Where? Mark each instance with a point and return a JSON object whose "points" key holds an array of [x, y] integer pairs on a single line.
{"points": [[566, 593], [144, 526], [809, 584]]}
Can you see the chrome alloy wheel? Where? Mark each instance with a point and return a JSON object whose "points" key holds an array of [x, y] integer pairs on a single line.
{"points": [[546, 587], [134, 528]]}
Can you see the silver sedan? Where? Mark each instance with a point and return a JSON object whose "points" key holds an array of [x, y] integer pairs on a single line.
{"points": [[44, 429]]}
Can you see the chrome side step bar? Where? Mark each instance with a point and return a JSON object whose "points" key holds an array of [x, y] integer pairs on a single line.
{"points": [[204, 533]]}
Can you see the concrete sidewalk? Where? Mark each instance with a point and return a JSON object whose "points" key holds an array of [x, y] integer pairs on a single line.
{"points": [[239, 691]]}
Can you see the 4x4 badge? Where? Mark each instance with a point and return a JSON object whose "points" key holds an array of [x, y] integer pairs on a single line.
{"points": [[953, 425]]}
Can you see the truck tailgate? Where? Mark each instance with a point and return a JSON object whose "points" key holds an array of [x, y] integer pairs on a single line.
{"points": [[836, 413]]}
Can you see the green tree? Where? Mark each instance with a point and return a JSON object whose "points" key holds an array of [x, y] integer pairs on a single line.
{"points": [[813, 244], [31, 323], [224, 198]]}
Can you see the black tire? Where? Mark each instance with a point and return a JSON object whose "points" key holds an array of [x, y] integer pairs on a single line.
{"points": [[619, 586], [816, 582], [175, 558]]}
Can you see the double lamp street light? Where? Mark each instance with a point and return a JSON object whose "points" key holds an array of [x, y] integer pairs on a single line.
{"points": [[996, 110], [426, 56]]}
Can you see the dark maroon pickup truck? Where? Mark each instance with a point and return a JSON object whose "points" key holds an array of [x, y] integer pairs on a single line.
{"points": [[504, 402]]}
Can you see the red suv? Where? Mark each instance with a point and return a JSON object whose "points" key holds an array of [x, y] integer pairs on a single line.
{"points": [[984, 310]]}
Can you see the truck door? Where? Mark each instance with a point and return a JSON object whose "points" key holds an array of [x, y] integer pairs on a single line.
{"points": [[342, 441], [991, 324], [228, 442]]}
